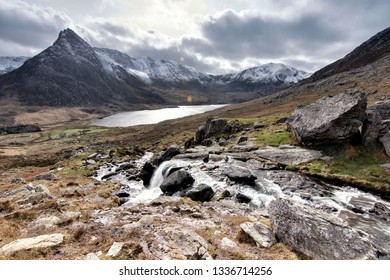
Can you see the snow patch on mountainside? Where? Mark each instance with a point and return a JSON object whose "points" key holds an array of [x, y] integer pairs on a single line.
{"points": [[9, 63]]}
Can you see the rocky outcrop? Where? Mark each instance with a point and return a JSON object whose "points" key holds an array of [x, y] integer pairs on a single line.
{"points": [[211, 128], [187, 243], [19, 129], [330, 119], [260, 234], [42, 241], [177, 181], [317, 234]]}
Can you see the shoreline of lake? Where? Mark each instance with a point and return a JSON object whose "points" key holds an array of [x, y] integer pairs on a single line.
{"points": [[144, 117]]}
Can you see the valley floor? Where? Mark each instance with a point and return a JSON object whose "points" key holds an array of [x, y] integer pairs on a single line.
{"points": [[46, 188]]}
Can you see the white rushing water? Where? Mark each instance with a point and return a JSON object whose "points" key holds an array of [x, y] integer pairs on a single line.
{"points": [[126, 119]]}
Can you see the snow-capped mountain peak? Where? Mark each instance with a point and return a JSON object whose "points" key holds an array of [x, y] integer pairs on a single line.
{"points": [[271, 72]]}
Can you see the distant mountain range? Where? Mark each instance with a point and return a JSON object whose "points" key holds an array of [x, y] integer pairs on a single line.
{"points": [[73, 73]]}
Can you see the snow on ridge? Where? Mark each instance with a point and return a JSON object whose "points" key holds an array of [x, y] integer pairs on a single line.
{"points": [[9, 63]]}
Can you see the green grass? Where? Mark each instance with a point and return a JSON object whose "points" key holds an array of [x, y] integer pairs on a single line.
{"points": [[273, 135], [353, 164]]}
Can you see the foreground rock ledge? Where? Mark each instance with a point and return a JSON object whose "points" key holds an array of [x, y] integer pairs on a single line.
{"points": [[42, 241], [317, 234]]}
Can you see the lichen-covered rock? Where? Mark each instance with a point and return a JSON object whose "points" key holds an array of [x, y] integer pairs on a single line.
{"points": [[329, 120], [317, 234]]}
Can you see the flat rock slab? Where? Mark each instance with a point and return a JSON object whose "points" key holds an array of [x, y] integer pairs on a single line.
{"points": [[289, 155], [42, 241], [317, 234]]}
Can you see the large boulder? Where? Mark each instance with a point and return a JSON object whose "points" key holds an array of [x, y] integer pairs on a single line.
{"points": [[176, 181], [211, 128], [329, 120], [317, 234]]}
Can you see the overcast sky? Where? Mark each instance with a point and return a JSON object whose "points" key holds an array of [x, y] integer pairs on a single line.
{"points": [[212, 36]]}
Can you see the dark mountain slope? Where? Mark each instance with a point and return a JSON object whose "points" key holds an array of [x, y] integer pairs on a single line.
{"points": [[370, 51], [69, 73]]}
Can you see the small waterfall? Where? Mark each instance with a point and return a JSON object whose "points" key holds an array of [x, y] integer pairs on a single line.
{"points": [[153, 191], [161, 173]]}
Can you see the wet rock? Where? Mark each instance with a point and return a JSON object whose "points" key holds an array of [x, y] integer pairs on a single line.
{"points": [[167, 155], [42, 241], [176, 181], [373, 230], [329, 120], [240, 175], [242, 198], [115, 249], [260, 233], [381, 211], [371, 127], [288, 155], [317, 234], [146, 173], [202, 193]]}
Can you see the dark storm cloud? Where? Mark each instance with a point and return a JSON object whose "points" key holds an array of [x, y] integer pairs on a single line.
{"points": [[29, 26], [236, 36]]}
